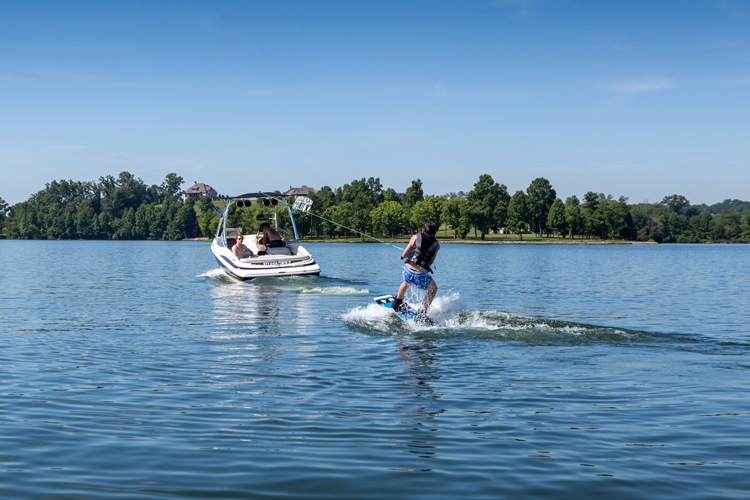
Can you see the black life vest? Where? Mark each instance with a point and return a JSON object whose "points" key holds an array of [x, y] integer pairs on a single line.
{"points": [[423, 252]]}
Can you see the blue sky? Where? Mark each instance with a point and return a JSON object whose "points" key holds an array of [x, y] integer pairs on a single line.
{"points": [[641, 99]]}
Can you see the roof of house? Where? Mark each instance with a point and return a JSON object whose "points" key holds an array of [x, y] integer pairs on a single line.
{"points": [[199, 187], [300, 191]]}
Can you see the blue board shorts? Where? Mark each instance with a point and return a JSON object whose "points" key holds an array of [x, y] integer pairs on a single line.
{"points": [[421, 280]]}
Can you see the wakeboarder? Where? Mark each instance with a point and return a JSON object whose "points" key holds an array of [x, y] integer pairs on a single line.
{"points": [[420, 254]]}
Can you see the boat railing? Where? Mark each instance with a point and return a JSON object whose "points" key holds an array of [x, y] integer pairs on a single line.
{"points": [[291, 238]]}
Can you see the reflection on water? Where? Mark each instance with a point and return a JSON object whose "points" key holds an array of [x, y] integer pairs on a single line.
{"points": [[249, 308], [420, 363]]}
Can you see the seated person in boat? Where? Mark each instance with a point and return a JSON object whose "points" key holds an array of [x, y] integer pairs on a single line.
{"points": [[240, 250], [271, 237], [272, 240]]}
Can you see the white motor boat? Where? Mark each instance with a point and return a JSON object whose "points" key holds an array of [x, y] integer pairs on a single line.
{"points": [[290, 260]]}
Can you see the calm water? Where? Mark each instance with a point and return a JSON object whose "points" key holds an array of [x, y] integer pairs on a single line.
{"points": [[136, 370]]}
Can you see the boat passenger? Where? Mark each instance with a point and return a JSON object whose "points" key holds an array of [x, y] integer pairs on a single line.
{"points": [[420, 254], [271, 237], [240, 250], [273, 242]]}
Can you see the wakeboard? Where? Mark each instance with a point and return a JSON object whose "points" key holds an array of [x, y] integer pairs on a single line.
{"points": [[409, 314]]}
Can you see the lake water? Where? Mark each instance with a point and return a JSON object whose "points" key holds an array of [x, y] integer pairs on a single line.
{"points": [[137, 370]]}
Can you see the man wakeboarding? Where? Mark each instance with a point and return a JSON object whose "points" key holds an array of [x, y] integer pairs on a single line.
{"points": [[420, 254]]}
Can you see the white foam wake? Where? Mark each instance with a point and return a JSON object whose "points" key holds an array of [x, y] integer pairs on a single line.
{"points": [[334, 290], [371, 317], [443, 310], [212, 273]]}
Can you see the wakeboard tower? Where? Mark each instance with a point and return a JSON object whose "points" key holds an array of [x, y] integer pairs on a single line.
{"points": [[408, 313], [291, 259]]}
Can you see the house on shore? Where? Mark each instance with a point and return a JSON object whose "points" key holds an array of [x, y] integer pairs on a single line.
{"points": [[300, 191], [199, 190]]}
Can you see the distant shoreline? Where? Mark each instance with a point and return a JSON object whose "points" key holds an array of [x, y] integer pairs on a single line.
{"points": [[478, 242]]}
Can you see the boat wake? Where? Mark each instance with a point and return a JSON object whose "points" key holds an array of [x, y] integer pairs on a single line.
{"points": [[452, 317], [217, 276], [333, 290], [312, 285]]}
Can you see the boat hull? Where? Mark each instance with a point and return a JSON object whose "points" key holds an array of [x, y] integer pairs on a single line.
{"points": [[246, 269]]}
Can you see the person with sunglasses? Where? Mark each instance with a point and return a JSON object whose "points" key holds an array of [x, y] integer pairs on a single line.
{"points": [[240, 250]]}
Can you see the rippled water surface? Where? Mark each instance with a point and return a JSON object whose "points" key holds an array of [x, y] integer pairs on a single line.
{"points": [[137, 370]]}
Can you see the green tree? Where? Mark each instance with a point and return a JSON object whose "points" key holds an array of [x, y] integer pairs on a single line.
{"points": [[344, 216], [187, 220], [704, 225], [171, 185], [429, 209], [361, 221], [208, 224], [518, 214], [158, 226], [602, 216], [676, 203], [330, 215], [125, 226], [143, 217], [322, 199], [3, 213], [206, 204], [413, 194], [556, 218], [363, 194], [486, 205], [121, 207], [392, 195], [573, 217], [541, 196], [745, 220], [452, 210], [85, 220], [389, 217]]}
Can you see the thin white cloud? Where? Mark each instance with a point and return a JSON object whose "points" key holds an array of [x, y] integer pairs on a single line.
{"points": [[639, 86]]}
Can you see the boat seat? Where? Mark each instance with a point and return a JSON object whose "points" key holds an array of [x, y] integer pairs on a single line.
{"points": [[278, 251]]}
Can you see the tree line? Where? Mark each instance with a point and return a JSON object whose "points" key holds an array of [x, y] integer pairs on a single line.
{"points": [[126, 208], [110, 208], [489, 208]]}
